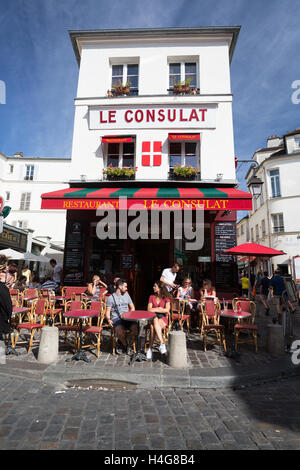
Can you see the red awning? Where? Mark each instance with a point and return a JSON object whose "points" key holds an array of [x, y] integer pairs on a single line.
{"points": [[200, 198], [116, 139], [253, 249], [184, 136]]}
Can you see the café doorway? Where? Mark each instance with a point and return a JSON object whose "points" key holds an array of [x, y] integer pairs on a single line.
{"points": [[152, 257]]}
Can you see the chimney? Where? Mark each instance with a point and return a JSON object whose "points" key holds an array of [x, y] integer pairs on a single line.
{"points": [[18, 154], [273, 141]]}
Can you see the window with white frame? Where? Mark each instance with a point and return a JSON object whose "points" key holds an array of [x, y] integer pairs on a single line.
{"points": [[29, 172], [123, 74], [7, 195], [182, 71], [120, 154], [277, 220], [25, 201], [256, 232], [252, 235], [184, 154], [297, 143], [11, 169], [275, 183]]}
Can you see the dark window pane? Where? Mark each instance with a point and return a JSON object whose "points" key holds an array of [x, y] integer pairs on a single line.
{"points": [[128, 148], [116, 80], [174, 69], [190, 68], [117, 70], [134, 80], [132, 69], [193, 81], [175, 149], [112, 160], [190, 148], [128, 160], [113, 149]]}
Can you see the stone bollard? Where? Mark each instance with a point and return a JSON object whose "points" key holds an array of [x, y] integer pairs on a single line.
{"points": [[48, 350], [177, 356], [275, 339]]}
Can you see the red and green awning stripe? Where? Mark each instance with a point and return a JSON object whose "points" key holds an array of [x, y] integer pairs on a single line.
{"points": [[197, 198]]}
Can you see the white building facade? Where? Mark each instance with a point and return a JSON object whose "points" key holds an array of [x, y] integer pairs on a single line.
{"points": [[274, 220], [22, 181], [132, 110]]}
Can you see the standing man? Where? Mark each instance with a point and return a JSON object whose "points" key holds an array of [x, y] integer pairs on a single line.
{"points": [[277, 283], [117, 304], [57, 272], [168, 277]]}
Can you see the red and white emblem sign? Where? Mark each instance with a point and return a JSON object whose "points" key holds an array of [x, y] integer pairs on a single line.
{"points": [[151, 153]]}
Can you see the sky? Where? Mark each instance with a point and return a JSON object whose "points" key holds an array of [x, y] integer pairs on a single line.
{"points": [[39, 69]]}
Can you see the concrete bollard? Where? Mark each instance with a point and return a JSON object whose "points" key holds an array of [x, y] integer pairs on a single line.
{"points": [[48, 350], [275, 339], [177, 356]]}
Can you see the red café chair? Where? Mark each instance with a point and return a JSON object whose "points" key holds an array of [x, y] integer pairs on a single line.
{"points": [[177, 308], [211, 323], [246, 326], [16, 297], [69, 326], [39, 308], [95, 330]]}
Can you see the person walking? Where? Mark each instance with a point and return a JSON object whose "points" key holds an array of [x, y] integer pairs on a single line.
{"points": [[277, 283]]}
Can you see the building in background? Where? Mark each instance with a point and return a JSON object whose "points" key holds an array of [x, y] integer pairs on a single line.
{"points": [[22, 181], [152, 100], [274, 220]]}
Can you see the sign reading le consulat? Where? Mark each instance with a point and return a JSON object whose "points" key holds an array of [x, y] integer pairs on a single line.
{"points": [[150, 117]]}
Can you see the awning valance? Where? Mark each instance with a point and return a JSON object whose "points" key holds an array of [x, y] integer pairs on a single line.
{"points": [[116, 139], [148, 198], [183, 136]]}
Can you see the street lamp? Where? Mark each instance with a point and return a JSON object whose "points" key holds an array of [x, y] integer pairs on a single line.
{"points": [[255, 186]]}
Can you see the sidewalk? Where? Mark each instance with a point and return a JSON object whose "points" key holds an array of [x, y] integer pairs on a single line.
{"points": [[205, 370]]}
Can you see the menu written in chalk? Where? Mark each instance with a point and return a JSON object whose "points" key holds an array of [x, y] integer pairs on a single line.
{"points": [[74, 248], [225, 238]]}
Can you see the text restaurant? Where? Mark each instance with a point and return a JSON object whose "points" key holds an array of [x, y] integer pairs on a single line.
{"points": [[152, 178]]}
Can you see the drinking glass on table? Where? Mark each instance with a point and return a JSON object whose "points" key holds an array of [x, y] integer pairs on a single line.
{"points": [[225, 305]]}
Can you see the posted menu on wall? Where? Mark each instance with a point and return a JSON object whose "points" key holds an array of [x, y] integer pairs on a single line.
{"points": [[74, 251], [225, 238], [126, 261]]}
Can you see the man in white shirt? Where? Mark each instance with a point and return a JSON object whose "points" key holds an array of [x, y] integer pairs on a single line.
{"points": [[168, 276], [57, 271]]}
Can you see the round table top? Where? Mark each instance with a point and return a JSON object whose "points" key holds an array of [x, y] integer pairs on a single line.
{"points": [[137, 315], [232, 314], [20, 309], [81, 313], [188, 300]]}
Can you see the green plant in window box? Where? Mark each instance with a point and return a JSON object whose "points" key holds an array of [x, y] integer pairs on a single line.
{"points": [[116, 172], [182, 87], [121, 89], [187, 172]]}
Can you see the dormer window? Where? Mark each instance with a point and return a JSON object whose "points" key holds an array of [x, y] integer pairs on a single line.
{"points": [[297, 143]]}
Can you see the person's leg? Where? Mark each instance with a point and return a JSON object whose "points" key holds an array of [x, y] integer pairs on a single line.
{"points": [[120, 333], [157, 323], [151, 338]]}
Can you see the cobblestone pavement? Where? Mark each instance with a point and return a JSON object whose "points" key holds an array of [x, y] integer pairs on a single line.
{"points": [[38, 416]]}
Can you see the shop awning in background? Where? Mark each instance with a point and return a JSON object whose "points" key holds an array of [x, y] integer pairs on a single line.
{"points": [[183, 136], [116, 139], [148, 198]]}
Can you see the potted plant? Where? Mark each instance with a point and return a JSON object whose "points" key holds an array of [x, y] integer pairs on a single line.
{"points": [[121, 89], [184, 172], [117, 173], [182, 87]]}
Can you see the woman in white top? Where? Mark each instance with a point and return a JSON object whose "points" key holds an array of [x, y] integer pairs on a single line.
{"points": [[186, 291]]}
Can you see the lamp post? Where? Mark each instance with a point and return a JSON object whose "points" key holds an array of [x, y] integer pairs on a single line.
{"points": [[255, 186]]}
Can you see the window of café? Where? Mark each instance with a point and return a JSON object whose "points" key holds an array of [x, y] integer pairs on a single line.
{"points": [[120, 154], [184, 154]]}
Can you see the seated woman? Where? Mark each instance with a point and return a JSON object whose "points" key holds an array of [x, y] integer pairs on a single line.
{"points": [[94, 287], [35, 283], [186, 292], [160, 304], [207, 289]]}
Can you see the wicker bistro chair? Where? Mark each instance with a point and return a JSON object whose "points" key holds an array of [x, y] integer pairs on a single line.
{"points": [[28, 295], [95, 330], [177, 309], [37, 319], [246, 326], [16, 297], [211, 323], [69, 326]]}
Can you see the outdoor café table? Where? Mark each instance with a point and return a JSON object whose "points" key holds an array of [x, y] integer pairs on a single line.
{"points": [[20, 311], [232, 315], [138, 316], [80, 315]]}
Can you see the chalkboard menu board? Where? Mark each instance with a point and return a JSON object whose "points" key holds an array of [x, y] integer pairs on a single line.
{"points": [[225, 238], [126, 261], [74, 253]]}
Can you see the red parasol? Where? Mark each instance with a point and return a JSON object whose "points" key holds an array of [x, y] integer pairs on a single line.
{"points": [[253, 249]]}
